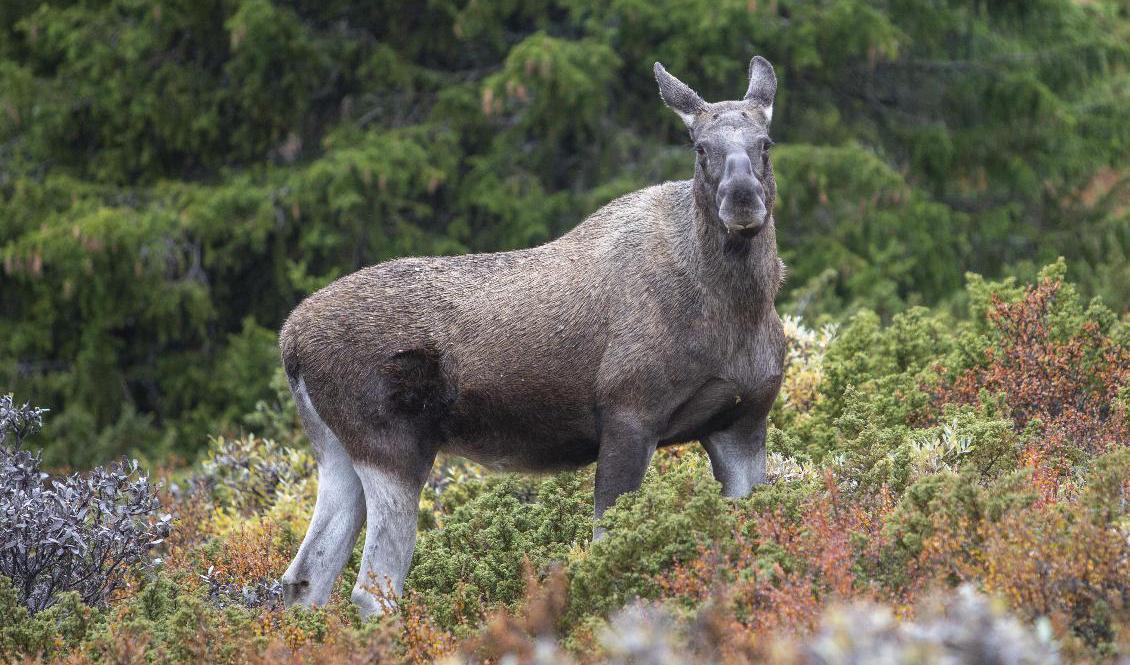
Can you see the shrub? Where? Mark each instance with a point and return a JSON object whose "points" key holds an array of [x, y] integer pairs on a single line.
{"points": [[1057, 370], [804, 364], [664, 523], [247, 474], [780, 568], [60, 627], [937, 522], [82, 533], [18, 422], [866, 369], [475, 561], [246, 571]]}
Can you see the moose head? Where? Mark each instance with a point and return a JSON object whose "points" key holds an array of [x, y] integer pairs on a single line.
{"points": [[734, 183]]}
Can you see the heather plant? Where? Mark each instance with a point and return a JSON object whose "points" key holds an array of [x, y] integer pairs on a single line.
{"points": [[86, 533], [1056, 367]]}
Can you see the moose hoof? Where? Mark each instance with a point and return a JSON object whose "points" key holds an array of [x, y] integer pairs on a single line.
{"points": [[367, 604]]}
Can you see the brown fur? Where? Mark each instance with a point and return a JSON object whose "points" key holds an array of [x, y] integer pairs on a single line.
{"points": [[647, 322]]}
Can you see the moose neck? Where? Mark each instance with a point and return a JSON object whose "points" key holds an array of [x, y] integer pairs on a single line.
{"points": [[744, 272]]}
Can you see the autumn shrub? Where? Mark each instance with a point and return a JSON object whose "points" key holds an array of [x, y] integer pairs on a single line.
{"points": [[1056, 368], [1054, 561], [246, 569], [528, 634], [780, 569], [951, 508], [1066, 560]]}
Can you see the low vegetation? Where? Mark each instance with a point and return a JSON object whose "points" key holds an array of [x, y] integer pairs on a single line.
{"points": [[944, 486]]}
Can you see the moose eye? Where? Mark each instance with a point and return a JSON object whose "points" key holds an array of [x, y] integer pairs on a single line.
{"points": [[700, 150]]}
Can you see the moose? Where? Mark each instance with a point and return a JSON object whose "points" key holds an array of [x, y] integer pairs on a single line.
{"points": [[649, 324]]}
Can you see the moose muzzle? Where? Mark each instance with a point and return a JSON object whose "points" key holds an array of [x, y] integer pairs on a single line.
{"points": [[741, 198]]}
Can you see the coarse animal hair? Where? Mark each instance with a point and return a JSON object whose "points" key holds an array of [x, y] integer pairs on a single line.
{"points": [[651, 323]]}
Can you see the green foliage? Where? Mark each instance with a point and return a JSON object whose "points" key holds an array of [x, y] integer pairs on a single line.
{"points": [[52, 632], [671, 516], [952, 501], [874, 379], [476, 560]]}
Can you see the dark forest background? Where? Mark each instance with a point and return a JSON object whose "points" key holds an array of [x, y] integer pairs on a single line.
{"points": [[176, 175]]}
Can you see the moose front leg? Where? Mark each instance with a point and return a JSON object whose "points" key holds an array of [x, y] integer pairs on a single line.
{"points": [[737, 455], [626, 447]]}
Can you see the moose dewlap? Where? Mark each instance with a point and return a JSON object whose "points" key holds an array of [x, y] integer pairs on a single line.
{"points": [[650, 324]]}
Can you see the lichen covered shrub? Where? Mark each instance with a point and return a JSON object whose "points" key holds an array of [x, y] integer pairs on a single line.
{"points": [[83, 533]]}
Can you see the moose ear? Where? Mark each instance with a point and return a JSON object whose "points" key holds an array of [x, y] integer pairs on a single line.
{"points": [[678, 96], [762, 85]]}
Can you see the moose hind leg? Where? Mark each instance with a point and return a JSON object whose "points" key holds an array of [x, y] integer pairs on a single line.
{"points": [[392, 502], [338, 514]]}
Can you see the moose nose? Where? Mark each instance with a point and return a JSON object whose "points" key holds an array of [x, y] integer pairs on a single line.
{"points": [[741, 197], [737, 164]]}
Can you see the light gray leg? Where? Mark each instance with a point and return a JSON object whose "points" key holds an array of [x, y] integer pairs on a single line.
{"points": [[338, 514], [392, 501], [737, 456]]}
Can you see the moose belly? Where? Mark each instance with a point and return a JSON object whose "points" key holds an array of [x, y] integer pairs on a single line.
{"points": [[522, 435], [537, 435]]}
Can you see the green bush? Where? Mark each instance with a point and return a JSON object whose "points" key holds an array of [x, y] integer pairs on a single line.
{"points": [[476, 560], [665, 522]]}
